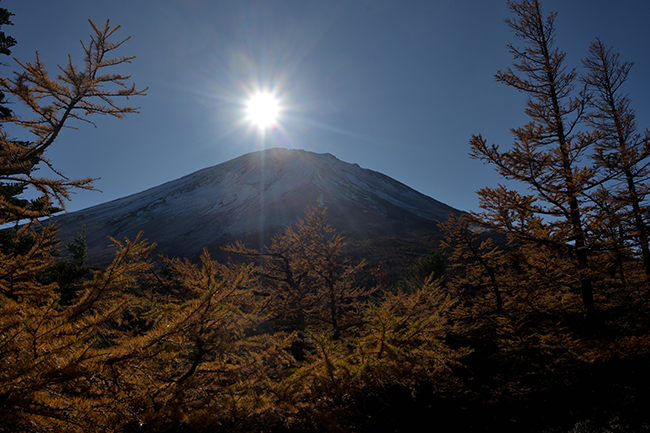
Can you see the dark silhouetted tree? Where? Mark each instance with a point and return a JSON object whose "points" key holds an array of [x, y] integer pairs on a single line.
{"points": [[476, 263], [433, 264], [6, 42]]}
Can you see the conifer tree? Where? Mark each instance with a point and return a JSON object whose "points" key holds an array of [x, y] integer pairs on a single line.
{"points": [[6, 42], [546, 154], [74, 94], [401, 345], [49, 349], [10, 191], [194, 357], [621, 150], [69, 273], [475, 262], [406, 339], [309, 280], [431, 264], [50, 356]]}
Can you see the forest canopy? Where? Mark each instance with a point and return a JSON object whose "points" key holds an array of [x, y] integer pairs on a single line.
{"points": [[536, 304]]}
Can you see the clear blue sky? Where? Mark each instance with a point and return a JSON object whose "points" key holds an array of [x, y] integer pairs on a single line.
{"points": [[397, 86]]}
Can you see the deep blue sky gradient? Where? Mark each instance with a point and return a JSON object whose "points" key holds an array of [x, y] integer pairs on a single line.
{"points": [[397, 86]]}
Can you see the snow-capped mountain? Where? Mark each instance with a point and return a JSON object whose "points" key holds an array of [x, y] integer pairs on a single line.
{"points": [[252, 197]]}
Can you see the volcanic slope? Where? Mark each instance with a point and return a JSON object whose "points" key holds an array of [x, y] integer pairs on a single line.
{"points": [[252, 197]]}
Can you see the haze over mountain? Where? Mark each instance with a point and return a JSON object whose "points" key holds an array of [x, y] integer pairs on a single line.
{"points": [[252, 197]]}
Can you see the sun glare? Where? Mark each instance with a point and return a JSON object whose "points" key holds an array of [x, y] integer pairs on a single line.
{"points": [[262, 110]]}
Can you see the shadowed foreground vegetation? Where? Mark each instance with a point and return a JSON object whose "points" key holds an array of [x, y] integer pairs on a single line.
{"points": [[532, 316], [293, 342]]}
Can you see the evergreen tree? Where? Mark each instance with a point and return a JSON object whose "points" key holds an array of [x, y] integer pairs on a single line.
{"points": [[433, 264], [6, 42], [69, 273], [476, 263]]}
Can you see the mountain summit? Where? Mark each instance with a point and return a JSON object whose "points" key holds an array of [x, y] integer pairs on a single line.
{"points": [[252, 197]]}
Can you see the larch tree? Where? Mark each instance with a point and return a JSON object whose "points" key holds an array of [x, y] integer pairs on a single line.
{"points": [[10, 191], [73, 94], [319, 249], [194, 358], [47, 349], [309, 281], [621, 149], [547, 154]]}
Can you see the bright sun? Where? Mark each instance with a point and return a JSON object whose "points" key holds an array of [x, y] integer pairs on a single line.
{"points": [[262, 110]]}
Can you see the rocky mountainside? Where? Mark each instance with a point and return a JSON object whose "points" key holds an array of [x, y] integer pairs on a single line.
{"points": [[252, 197]]}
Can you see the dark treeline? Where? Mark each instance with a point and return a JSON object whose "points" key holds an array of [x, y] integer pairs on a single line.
{"points": [[532, 315]]}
